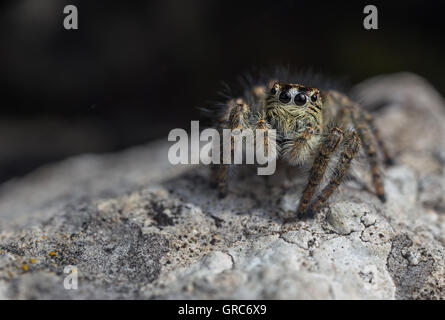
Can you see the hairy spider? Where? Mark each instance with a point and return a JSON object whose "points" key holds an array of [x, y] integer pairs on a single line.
{"points": [[320, 129]]}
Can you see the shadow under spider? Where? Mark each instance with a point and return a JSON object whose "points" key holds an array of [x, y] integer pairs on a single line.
{"points": [[249, 193]]}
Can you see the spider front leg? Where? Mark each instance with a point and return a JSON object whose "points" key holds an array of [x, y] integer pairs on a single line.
{"points": [[318, 170], [351, 146], [238, 120]]}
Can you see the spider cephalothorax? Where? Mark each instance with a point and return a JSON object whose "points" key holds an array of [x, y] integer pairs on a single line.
{"points": [[322, 129], [288, 106]]}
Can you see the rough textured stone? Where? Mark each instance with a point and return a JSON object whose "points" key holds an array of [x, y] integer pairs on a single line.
{"points": [[136, 227]]}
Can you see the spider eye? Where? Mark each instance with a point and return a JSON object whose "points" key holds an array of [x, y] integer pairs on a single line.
{"points": [[273, 91], [300, 99], [314, 97], [285, 96]]}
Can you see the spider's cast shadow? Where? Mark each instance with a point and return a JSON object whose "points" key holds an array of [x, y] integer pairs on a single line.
{"points": [[248, 193], [272, 197]]}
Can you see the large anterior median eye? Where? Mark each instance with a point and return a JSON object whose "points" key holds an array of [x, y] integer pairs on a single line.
{"points": [[300, 99], [285, 96]]}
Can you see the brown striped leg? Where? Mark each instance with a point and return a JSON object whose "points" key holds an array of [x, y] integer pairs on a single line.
{"points": [[238, 120], [351, 146], [269, 142], [263, 125], [239, 114], [366, 135], [219, 171], [370, 148], [386, 157], [319, 167]]}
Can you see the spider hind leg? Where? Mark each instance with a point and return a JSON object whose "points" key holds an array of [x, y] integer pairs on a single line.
{"points": [[388, 160], [369, 136]]}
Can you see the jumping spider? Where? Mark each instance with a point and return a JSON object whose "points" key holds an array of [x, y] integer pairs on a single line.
{"points": [[314, 127]]}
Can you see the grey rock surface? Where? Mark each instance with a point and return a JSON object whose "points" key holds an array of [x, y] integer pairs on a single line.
{"points": [[136, 227]]}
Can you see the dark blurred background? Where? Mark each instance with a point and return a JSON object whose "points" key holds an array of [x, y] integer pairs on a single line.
{"points": [[136, 69]]}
